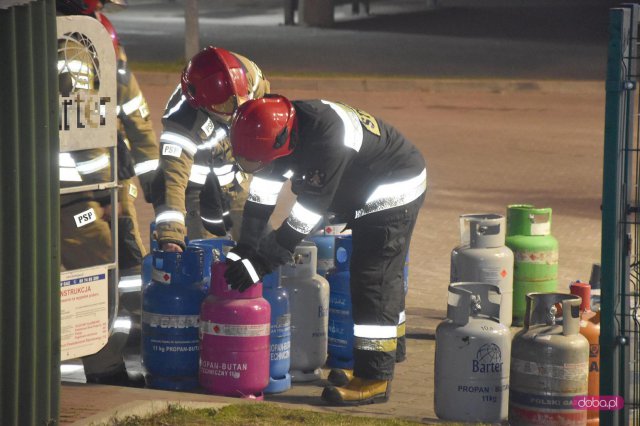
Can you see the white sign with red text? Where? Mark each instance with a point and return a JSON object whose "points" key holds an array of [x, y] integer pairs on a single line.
{"points": [[84, 318]]}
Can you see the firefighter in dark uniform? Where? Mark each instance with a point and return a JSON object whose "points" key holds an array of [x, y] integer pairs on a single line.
{"points": [[195, 148], [344, 161], [90, 244]]}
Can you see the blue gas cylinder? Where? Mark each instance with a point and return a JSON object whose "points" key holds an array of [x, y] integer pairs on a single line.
{"points": [[215, 249], [325, 244], [147, 261], [278, 298], [340, 347], [170, 320], [324, 240]]}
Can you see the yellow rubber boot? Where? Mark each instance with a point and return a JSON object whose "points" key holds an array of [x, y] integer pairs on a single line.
{"points": [[358, 392], [340, 377]]}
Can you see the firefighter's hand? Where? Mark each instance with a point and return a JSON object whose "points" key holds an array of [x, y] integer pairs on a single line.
{"points": [[242, 273], [171, 247]]}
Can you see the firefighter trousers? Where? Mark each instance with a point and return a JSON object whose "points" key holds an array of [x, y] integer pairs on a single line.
{"points": [[380, 245], [131, 250], [86, 241]]}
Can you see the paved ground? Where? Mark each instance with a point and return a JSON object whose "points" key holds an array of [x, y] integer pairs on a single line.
{"points": [[539, 39], [487, 144]]}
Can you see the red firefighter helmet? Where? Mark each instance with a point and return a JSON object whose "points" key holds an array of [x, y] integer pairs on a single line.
{"points": [[214, 79], [109, 27], [261, 129]]}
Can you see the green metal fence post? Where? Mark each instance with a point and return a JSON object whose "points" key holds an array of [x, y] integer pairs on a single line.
{"points": [[616, 239], [29, 217]]}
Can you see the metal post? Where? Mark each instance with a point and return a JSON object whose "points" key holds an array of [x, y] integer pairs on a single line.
{"points": [[290, 7], [29, 221], [192, 29], [616, 237]]}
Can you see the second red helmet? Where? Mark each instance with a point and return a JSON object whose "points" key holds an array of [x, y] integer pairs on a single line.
{"points": [[214, 79], [261, 129]]}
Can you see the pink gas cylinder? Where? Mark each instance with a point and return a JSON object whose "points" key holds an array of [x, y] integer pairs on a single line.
{"points": [[234, 339]]}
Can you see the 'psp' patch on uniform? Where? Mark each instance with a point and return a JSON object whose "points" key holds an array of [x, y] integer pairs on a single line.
{"points": [[85, 218], [171, 150]]}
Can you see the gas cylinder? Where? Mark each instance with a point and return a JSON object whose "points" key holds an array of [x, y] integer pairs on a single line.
{"points": [[340, 342], [483, 257], [278, 298], [590, 328], [170, 311], [549, 363], [215, 249], [309, 305], [535, 253], [147, 261], [472, 356], [234, 346], [325, 242]]}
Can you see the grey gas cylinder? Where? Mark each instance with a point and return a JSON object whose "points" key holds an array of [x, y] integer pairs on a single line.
{"points": [[483, 257], [472, 356], [549, 363], [309, 306]]}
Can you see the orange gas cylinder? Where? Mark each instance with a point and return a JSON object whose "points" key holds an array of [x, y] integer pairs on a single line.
{"points": [[590, 328]]}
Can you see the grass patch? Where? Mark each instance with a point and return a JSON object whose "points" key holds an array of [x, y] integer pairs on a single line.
{"points": [[258, 414]]}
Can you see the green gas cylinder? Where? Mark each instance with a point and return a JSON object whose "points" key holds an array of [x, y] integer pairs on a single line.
{"points": [[535, 253]]}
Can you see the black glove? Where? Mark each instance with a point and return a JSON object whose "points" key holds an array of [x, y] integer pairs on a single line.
{"points": [[146, 183], [243, 273]]}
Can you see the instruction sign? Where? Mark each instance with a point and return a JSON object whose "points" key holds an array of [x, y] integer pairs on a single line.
{"points": [[84, 322]]}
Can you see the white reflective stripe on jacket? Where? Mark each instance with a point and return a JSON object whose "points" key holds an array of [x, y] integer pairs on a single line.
{"points": [[94, 165], [170, 216], [225, 174], [302, 219], [264, 191], [146, 167], [179, 140], [131, 106], [218, 135], [395, 194], [199, 174], [177, 105], [352, 128], [68, 171]]}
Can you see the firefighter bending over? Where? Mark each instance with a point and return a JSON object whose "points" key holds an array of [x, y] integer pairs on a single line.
{"points": [[196, 152], [344, 161]]}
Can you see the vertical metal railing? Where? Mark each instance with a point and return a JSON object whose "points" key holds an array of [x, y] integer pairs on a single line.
{"points": [[29, 216], [620, 220]]}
